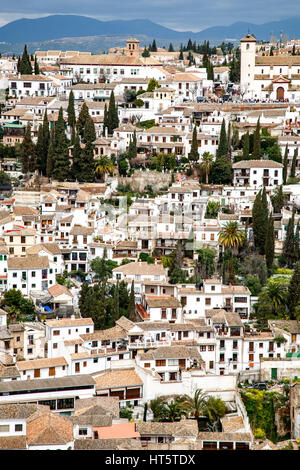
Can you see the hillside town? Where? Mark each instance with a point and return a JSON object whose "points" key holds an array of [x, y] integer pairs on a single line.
{"points": [[150, 248]]}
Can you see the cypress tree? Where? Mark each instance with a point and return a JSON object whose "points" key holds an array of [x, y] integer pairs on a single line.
{"points": [[181, 57], [40, 148], [294, 290], [50, 155], [246, 146], [256, 142], [260, 221], [112, 114], [105, 124], [25, 65], [71, 110], [229, 140], [46, 141], [194, 154], [116, 304], [76, 159], [288, 250], [154, 47], [222, 147], [83, 115], [293, 166], [61, 163], [87, 155], [285, 165], [132, 151], [36, 67], [270, 243], [131, 306], [171, 48], [27, 151]]}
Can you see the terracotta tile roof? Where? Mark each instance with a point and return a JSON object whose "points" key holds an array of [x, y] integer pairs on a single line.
{"points": [[118, 378], [81, 230], [111, 333], [233, 424], [41, 363], [13, 442], [53, 248], [181, 428], [20, 410], [172, 352], [225, 436], [97, 405], [118, 431], [161, 302], [107, 444], [124, 323], [142, 268], [58, 290], [69, 322], [256, 164], [49, 429], [28, 262]]}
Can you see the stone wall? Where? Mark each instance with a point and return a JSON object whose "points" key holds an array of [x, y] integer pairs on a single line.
{"points": [[140, 179]]}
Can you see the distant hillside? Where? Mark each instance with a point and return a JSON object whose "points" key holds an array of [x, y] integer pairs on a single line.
{"points": [[89, 34]]}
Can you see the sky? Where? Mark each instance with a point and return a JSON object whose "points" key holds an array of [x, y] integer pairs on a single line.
{"points": [[182, 15]]}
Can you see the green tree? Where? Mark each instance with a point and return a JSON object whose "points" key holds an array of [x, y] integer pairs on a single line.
{"points": [[112, 114], [152, 85], [221, 171], [256, 143], [104, 166], [278, 199], [231, 236], [61, 162], [285, 165], [246, 146], [105, 123], [206, 164], [145, 52], [223, 146], [50, 155], [270, 243], [46, 142], [194, 154], [25, 67], [71, 111], [27, 152], [294, 291], [289, 247], [260, 221], [131, 307], [196, 404], [293, 166], [36, 67], [83, 116], [171, 48]]}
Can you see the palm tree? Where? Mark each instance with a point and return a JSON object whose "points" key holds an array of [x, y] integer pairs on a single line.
{"points": [[174, 410], [231, 236], [158, 409], [196, 404], [207, 159], [276, 293], [214, 409], [104, 166]]}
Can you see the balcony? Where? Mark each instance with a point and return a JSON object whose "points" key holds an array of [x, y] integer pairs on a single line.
{"points": [[149, 344]]}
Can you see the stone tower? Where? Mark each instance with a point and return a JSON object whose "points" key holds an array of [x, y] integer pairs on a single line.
{"points": [[248, 50], [133, 47]]}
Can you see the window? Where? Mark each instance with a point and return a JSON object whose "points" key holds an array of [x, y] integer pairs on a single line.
{"points": [[18, 427], [147, 365], [211, 364], [54, 345], [4, 428], [211, 347], [29, 351], [51, 371], [37, 373], [207, 301], [160, 363], [202, 348], [56, 333], [82, 432], [84, 363]]}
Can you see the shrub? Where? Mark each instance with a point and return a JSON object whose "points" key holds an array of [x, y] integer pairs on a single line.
{"points": [[259, 433]]}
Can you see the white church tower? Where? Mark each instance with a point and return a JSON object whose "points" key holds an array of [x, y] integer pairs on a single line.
{"points": [[248, 50]]}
